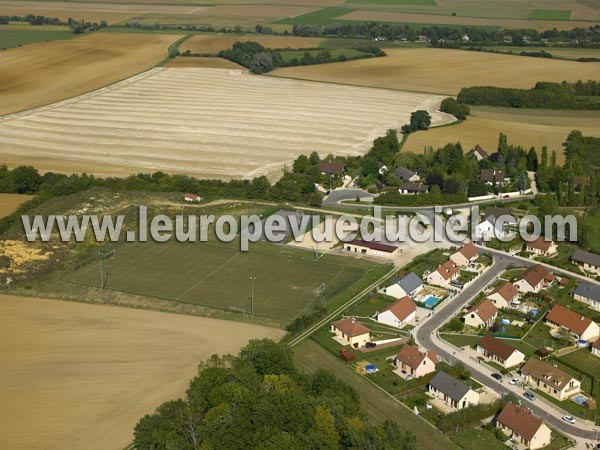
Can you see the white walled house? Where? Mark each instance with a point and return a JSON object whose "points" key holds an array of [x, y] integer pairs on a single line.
{"points": [[454, 393], [465, 255], [588, 262], [504, 295], [588, 293], [444, 274], [399, 314], [409, 284], [534, 279], [499, 352], [523, 427], [416, 362], [596, 348], [541, 247], [482, 316], [580, 327], [351, 331]]}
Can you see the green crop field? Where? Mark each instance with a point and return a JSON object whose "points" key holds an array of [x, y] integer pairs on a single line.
{"points": [[14, 35], [217, 275], [550, 14], [323, 16]]}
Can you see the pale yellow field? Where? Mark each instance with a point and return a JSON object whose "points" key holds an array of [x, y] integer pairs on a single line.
{"points": [[203, 61], [42, 73], [211, 123], [10, 202], [444, 71], [80, 376], [214, 43], [523, 127], [388, 16]]}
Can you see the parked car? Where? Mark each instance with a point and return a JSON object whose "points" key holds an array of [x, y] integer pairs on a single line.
{"points": [[569, 419], [529, 395], [497, 376], [514, 381], [370, 345]]}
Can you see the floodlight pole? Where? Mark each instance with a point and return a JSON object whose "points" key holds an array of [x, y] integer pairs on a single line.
{"points": [[252, 279]]}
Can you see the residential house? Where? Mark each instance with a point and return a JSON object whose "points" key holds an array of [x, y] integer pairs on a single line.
{"points": [[399, 313], [504, 295], [580, 327], [377, 249], [588, 293], [351, 331], [495, 212], [416, 362], [332, 168], [542, 247], [465, 38], [406, 174], [534, 279], [191, 198], [491, 176], [499, 352], [411, 188], [483, 315], [409, 284], [550, 379], [596, 348], [507, 39], [518, 423], [491, 227], [588, 262], [454, 393], [465, 255], [444, 274], [478, 152]]}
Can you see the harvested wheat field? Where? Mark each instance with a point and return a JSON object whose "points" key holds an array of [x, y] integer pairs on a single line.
{"points": [[214, 123], [203, 61], [444, 71], [47, 72], [10, 202], [80, 376], [214, 43], [523, 127]]}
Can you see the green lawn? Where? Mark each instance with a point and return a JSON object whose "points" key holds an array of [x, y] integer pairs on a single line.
{"points": [[539, 336], [461, 340], [323, 16], [218, 275], [550, 14], [14, 35], [428, 261], [569, 406], [477, 439], [584, 361], [592, 222]]}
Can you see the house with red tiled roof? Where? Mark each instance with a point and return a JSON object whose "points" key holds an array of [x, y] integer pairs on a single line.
{"points": [[534, 279], [580, 327], [542, 247], [483, 315], [416, 362], [332, 167], [351, 331], [504, 295], [399, 313], [500, 352], [518, 423], [465, 255], [191, 198], [444, 274], [596, 348]]}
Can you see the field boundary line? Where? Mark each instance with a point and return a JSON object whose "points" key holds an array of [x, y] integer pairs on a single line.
{"points": [[341, 308]]}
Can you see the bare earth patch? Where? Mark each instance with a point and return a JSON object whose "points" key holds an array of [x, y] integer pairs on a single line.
{"points": [[39, 74], [81, 376], [213, 123], [421, 70]]}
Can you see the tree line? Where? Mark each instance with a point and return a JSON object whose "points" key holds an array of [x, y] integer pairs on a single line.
{"points": [[580, 95], [259, 59], [259, 400], [78, 26]]}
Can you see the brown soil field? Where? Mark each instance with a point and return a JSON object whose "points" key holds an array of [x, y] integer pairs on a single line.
{"points": [[80, 376], [203, 61], [212, 123], [214, 43], [420, 69], [389, 16], [523, 127], [10, 202], [42, 73]]}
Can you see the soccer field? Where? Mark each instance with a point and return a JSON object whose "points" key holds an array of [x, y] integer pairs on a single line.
{"points": [[288, 281]]}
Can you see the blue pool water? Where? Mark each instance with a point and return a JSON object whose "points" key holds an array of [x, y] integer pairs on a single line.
{"points": [[579, 399], [431, 301]]}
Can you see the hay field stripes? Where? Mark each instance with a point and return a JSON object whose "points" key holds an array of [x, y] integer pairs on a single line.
{"points": [[218, 275], [208, 122]]}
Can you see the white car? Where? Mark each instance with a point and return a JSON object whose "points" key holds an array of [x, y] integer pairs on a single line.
{"points": [[568, 419], [514, 381]]}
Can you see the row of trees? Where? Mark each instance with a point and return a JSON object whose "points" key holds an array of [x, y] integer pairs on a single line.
{"points": [[261, 60], [78, 26], [546, 95], [452, 106], [258, 400]]}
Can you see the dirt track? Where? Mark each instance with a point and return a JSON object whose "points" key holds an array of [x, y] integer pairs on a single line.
{"points": [[80, 376]]}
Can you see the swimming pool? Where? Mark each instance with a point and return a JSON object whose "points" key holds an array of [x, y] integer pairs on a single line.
{"points": [[431, 301], [580, 400]]}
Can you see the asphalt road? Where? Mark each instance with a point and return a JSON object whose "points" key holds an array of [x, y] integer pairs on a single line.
{"points": [[426, 335]]}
